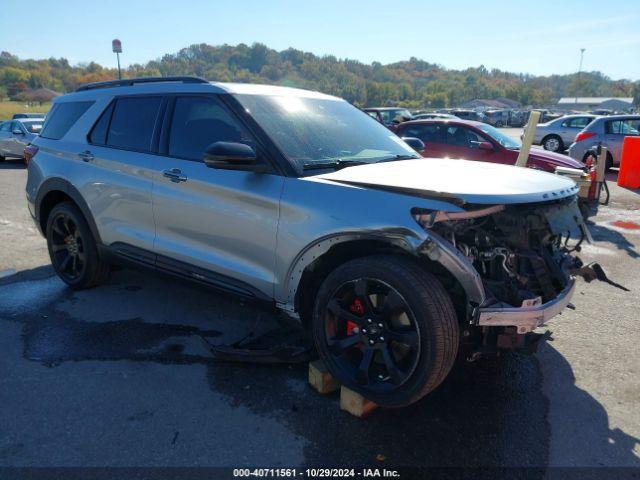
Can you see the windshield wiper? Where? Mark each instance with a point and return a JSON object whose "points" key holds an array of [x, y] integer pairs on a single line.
{"points": [[398, 157], [336, 164]]}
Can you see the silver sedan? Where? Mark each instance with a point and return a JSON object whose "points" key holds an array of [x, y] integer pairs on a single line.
{"points": [[558, 134], [15, 135]]}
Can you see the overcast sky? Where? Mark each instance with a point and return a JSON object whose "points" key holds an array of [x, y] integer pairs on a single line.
{"points": [[541, 37]]}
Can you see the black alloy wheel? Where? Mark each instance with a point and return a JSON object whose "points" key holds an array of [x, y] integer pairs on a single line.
{"points": [[372, 334]]}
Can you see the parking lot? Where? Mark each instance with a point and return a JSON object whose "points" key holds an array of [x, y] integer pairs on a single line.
{"points": [[120, 375]]}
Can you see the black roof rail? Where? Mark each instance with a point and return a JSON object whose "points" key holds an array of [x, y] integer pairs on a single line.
{"points": [[127, 82]]}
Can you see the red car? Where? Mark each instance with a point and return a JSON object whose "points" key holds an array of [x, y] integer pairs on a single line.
{"points": [[477, 141]]}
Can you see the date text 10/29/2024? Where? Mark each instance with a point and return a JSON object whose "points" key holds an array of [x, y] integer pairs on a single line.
{"points": [[316, 473]]}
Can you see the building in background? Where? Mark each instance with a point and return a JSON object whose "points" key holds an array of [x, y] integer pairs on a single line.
{"points": [[581, 104], [485, 104]]}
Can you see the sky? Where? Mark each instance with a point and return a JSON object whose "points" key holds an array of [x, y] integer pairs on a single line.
{"points": [[540, 37]]}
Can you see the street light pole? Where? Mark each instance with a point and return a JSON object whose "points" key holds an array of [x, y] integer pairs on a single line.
{"points": [[579, 72], [119, 71]]}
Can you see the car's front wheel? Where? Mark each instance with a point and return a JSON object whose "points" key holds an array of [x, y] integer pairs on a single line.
{"points": [[72, 248], [386, 328]]}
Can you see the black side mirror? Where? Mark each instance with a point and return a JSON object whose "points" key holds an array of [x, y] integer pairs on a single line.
{"points": [[233, 156], [415, 143]]}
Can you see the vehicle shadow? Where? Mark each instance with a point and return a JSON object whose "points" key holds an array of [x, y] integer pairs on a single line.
{"points": [[601, 233], [11, 164], [581, 433]]}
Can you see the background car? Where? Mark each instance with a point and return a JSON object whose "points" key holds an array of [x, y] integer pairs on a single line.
{"points": [[467, 114], [389, 115], [17, 116], [477, 141], [496, 118], [606, 131], [440, 116], [558, 134], [15, 135]]}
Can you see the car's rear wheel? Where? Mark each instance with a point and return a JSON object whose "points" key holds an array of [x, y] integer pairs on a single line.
{"points": [[385, 328], [553, 143], [72, 248]]}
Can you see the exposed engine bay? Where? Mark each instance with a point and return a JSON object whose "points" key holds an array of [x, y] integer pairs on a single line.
{"points": [[522, 252], [525, 256]]}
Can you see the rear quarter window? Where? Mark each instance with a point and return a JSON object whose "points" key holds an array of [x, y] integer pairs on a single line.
{"points": [[62, 117]]}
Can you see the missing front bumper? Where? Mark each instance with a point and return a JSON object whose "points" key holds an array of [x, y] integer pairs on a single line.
{"points": [[529, 316]]}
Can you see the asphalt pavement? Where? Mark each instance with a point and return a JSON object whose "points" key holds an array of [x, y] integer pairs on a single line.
{"points": [[121, 375]]}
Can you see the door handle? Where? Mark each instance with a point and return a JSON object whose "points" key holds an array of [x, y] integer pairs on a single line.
{"points": [[86, 156], [175, 175]]}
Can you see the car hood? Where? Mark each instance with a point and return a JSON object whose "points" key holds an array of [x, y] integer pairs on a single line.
{"points": [[461, 181], [555, 159]]}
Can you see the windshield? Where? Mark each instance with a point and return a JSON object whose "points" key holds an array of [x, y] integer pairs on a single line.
{"points": [[501, 138], [33, 127], [318, 131]]}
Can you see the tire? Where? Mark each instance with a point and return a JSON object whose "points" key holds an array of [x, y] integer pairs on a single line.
{"points": [[553, 143], [72, 248], [422, 333]]}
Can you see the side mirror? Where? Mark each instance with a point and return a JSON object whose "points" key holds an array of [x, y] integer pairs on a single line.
{"points": [[415, 143], [485, 146], [233, 156], [17, 131]]}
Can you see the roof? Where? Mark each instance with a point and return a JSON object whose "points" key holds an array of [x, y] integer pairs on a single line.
{"points": [[384, 108], [593, 100], [185, 85]]}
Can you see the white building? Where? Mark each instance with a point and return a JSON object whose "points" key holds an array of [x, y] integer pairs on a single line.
{"points": [[618, 104]]}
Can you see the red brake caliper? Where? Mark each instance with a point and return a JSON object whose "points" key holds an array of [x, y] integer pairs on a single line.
{"points": [[358, 308]]}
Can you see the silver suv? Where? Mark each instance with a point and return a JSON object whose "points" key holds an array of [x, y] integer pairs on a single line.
{"points": [[395, 263]]}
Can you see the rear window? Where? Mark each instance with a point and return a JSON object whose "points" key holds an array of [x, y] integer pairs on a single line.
{"points": [[62, 117], [132, 123]]}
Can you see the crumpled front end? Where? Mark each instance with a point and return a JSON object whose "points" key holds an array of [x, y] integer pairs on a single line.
{"points": [[525, 256]]}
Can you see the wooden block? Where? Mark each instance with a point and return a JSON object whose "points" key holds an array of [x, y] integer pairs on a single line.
{"points": [[321, 379], [355, 404]]}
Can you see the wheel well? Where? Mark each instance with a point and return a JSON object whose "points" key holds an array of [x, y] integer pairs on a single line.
{"points": [[50, 200], [315, 273]]}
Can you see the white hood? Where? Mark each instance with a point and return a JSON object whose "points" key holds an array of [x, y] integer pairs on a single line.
{"points": [[459, 180]]}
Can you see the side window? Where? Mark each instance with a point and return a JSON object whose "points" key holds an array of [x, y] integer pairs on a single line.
{"points": [[623, 127], [98, 135], [428, 133], [132, 123], [457, 136], [5, 127], [475, 139], [200, 121], [579, 122], [62, 117]]}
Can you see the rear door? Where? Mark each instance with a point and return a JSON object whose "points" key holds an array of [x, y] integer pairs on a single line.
{"points": [[117, 171], [217, 226], [571, 127], [616, 131]]}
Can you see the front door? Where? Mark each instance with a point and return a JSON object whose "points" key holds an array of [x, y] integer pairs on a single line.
{"points": [[218, 226]]}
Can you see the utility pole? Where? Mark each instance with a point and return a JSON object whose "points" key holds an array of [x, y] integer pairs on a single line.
{"points": [[116, 47], [579, 72]]}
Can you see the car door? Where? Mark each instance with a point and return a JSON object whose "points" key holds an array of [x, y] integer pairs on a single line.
{"points": [[615, 131], [217, 226], [466, 143], [115, 173], [571, 127], [20, 139]]}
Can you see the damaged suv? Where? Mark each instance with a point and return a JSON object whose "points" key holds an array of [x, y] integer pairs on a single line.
{"points": [[396, 264]]}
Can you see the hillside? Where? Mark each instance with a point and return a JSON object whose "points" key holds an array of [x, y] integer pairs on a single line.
{"points": [[411, 83]]}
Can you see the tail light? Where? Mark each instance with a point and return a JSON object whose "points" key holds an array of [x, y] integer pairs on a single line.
{"points": [[29, 153], [584, 135]]}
